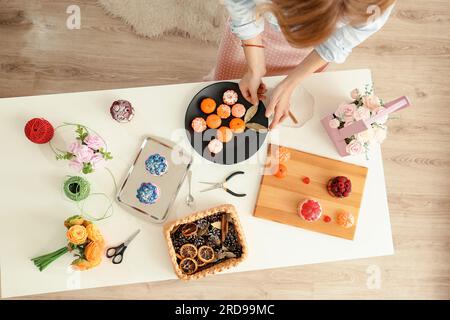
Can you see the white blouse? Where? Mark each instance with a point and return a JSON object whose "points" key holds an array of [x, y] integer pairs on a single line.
{"points": [[335, 49]]}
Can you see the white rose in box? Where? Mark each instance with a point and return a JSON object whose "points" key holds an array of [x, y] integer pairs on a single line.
{"points": [[380, 134], [366, 136]]}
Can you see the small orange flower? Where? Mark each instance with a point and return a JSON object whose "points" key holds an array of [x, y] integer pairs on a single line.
{"points": [[94, 234], [94, 252], [77, 234], [81, 265]]}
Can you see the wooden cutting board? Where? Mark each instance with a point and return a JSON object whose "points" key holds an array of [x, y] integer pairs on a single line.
{"points": [[278, 199]]}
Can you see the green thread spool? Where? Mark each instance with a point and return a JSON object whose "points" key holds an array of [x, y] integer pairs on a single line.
{"points": [[77, 188]]}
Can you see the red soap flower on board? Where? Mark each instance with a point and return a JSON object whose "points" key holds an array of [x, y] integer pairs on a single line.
{"points": [[39, 130], [327, 219], [306, 180]]}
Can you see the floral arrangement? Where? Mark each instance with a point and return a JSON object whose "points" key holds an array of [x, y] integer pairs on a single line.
{"points": [[84, 240], [364, 106], [87, 153]]}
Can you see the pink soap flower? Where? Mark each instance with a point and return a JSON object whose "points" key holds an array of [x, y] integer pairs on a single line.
{"points": [[97, 161], [75, 147], [76, 165], [371, 102], [94, 142], [355, 147], [345, 111], [84, 154]]}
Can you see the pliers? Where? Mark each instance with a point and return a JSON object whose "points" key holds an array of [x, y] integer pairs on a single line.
{"points": [[223, 185]]}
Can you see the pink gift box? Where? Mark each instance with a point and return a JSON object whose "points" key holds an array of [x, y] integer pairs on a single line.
{"points": [[338, 136]]}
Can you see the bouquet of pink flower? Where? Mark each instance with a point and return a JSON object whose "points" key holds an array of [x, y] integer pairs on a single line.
{"points": [[87, 153], [365, 106]]}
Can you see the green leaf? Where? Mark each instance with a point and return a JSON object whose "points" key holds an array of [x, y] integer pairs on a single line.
{"points": [[87, 168], [82, 132], [64, 156]]}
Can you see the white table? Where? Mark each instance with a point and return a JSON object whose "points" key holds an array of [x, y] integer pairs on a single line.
{"points": [[33, 207]]}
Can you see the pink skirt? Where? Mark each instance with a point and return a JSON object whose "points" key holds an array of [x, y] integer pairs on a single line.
{"points": [[281, 57]]}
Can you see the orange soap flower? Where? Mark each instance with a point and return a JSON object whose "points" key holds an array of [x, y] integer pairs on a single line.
{"points": [[94, 252], [94, 234], [213, 121], [208, 105], [224, 134], [77, 234], [237, 125], [345, 219], [81, 264]]}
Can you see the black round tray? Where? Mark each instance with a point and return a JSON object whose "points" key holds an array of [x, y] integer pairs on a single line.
{"points": [[243, 145]]}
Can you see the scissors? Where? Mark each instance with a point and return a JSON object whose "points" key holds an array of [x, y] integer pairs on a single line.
{"points": [[223, 185], [116, 253]]}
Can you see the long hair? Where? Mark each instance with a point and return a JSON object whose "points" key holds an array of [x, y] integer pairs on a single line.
{"points": [[306, 23]]}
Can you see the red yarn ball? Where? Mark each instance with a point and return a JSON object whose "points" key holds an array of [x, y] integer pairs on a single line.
{"points": [[39, 130]]}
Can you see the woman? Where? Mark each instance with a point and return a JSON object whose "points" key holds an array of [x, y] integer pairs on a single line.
{"points": [[313, 34]]}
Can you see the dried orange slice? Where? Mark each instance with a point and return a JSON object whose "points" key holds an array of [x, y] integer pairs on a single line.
{"points": [[189, 229], [200, 263], [206, 254], [188, 251], [188, 265]]}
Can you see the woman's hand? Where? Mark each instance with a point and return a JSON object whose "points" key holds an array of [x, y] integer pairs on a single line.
{"points": [[279, 104], [252, 88]]}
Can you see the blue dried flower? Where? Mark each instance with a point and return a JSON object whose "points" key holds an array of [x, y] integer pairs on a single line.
{"points": [[156, 164], [148, 193]]}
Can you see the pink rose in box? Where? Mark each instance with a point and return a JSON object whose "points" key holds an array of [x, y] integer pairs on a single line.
{"points": [[94, 142], [346, 112], [355, 147]]}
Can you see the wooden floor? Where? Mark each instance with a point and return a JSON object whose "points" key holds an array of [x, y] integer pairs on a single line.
{"points": [[411, 56]]}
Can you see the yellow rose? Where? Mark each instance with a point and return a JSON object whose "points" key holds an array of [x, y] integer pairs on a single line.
{"points": [[77, 234], [81, 265], [94, 233], [73, 220], [94, 252]]}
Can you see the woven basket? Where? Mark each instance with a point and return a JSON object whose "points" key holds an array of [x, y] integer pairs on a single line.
{"points": [[226, 264]]}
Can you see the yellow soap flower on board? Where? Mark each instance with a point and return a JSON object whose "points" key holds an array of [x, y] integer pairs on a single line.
{"points": [[77, 234], [81, 265], [94, 233], [94, 252], [73, 220]]}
